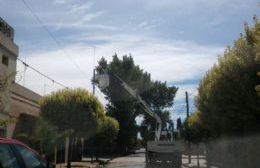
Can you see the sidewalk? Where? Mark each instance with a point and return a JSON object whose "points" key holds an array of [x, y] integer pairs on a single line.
{"points": [[195, 163], [85, 163], [79, 165]]}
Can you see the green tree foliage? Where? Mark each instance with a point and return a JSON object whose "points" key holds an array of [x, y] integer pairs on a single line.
{"points": [[3, 91], [179, 124], [45, 138], [72, 113], [193, 129], [4, 98], [108, 131], [123, 107], [4, 122], [227, 99], [159, 96], [46, 135], [103, 142], [257, 87], [74, 109]]}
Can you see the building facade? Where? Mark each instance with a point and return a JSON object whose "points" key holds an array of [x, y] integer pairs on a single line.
{"points": [[19, 102]]}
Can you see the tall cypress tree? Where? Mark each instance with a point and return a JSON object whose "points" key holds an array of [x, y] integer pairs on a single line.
{"points": [[227, 98]]}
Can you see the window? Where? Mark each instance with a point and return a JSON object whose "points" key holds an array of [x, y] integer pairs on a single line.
{"points": [[31, 160], [7, 157], [5, 60]]}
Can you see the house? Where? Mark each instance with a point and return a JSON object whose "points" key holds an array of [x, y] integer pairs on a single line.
{"points": [[20, 103]]}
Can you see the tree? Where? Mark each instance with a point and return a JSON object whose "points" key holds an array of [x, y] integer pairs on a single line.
{"points": [[193, 129], [46, 136], [108, 131], [121, 105], [179, 124], [124, 107], [257, 87], [4, 85], [74, 109], [102, 143], [227, 99], [72, 113], [5, 82], [159, 96]]}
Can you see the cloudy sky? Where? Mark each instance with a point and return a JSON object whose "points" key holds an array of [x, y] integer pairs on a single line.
{"points": [[175, 40]]}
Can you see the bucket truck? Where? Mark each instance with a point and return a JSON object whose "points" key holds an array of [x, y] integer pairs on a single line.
{"points": [[158, 151]]}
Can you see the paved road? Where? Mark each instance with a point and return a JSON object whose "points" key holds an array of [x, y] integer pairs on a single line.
{"points": [[138, 161], [131, 161]]}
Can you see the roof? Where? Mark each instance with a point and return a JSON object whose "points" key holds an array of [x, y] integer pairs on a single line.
{"points": [[26, 93]]}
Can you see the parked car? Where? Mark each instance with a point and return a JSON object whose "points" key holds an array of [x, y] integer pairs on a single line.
{"points": [[15, 154]]}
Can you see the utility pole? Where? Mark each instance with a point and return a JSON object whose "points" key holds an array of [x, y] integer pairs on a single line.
{"points": [[94, 69], [188, 115], [187, 105], [93, 82]]}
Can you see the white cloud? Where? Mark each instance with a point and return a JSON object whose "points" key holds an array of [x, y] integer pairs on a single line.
{"points": [[76, 20], [65, 14], [80, 21], [89, 17], [146, 25], [180, 5], [79, 9], [77, 25], [179, 108], [142, 25], [166, 60], [56, 2], [171, 61]]}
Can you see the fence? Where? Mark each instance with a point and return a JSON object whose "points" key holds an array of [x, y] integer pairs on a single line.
{"points": [[242, 152]]}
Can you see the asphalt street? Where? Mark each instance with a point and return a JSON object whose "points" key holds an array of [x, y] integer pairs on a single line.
{"points": [[137, 160]]}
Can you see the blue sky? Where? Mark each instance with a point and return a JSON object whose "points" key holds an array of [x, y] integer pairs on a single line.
{"points": [[176, 41]]}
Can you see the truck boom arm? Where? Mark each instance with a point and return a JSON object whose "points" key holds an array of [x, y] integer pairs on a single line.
{"points": [[146, 109], [103, 80]]}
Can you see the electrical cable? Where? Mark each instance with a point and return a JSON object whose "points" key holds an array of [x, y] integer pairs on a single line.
{"points": [[51, 35], [42, 74]]}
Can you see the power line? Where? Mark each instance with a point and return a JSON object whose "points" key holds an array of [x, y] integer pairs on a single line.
{"points": [[42, 74], [187, 102], [176, 110], [51, 35]]}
